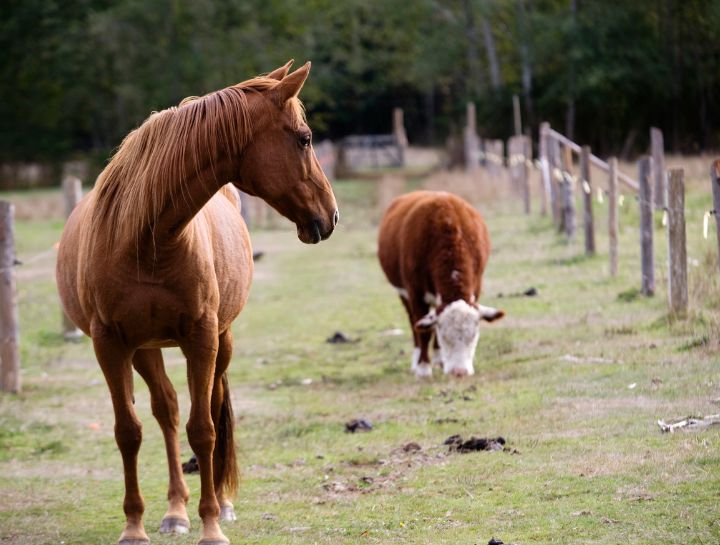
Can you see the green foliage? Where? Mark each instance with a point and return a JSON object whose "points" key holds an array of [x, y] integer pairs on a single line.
{"points": [[76, 76]]}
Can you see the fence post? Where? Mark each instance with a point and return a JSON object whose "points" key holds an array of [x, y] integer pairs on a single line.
{"points": [[587, 201], [498, 147], [715, 178], [9, 335], [613, 216], [517, 120], [400, 134], [677, 252], [525, 153], [555, 178], [568, 194], [646, 226], [657, 149], [512, 171], [470, 140], [544, 168]]}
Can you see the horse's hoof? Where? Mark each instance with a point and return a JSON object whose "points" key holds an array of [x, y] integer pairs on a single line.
{"points": [[174, 525], [134, 542], [227, 513]]}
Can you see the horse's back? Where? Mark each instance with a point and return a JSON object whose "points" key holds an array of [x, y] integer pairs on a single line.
{"points": [[406, 220]]}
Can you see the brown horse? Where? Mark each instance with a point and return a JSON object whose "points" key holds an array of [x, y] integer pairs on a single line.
{"points": [[157, 255]]}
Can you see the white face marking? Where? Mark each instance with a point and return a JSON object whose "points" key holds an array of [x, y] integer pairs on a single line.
{"points": [[458, 331], [455, 276], [402, 292], [433, 300]]}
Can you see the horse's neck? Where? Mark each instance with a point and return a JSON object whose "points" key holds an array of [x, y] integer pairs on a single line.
{"points": [[192, 195]]}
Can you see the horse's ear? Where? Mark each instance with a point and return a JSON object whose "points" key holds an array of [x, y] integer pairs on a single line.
{"points": [[280, 73], [291, 84]]}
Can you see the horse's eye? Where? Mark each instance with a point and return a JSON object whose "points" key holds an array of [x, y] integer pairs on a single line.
{"points": [[305, 140]]}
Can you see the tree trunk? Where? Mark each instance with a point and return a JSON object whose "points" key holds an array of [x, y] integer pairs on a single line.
{"points": [[429, 104], [493, 63], [525, 64], [476, 82], [570, 112]]}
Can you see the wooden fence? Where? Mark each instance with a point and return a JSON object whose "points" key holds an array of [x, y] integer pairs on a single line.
{"points": [[9, 326], [653, 193], [9, 334], [655, 189]]}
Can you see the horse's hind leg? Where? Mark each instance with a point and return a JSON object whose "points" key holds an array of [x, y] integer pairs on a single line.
{"points": [[114, 359], [163, 399], [224, 462]]}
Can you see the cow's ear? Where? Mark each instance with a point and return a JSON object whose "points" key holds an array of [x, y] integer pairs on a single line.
{"points": [[427, 322], [490, 314]]}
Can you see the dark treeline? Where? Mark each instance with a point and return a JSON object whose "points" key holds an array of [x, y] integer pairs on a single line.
{"points": [[77, 75]]}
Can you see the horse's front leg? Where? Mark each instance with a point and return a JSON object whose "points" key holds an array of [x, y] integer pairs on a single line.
{"points": [[200, 349], [115, 361], [149, 363]]}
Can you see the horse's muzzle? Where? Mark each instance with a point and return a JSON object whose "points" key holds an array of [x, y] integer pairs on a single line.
{"points": [[317, 230]]}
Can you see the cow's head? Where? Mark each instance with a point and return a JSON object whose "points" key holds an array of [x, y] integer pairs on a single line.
{"points": [[457, 327]]}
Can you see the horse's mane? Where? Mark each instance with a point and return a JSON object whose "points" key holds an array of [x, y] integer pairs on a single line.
{"points": [[150, 167]]}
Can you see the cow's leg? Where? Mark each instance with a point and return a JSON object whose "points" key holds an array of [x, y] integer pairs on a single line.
{"points": [[115, 361], [163, 400], [424, 368], [418, 310], [437, 360], [415, 358]]}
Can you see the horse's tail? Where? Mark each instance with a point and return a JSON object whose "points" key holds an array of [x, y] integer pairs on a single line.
{"points": [[226, 473]]}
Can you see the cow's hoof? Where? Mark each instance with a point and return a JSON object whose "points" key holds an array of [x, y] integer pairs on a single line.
{"points": [[227, 513], [423, 370], [437, 361], [174, 525], [459, 372], [134, 542], [213, 542]]}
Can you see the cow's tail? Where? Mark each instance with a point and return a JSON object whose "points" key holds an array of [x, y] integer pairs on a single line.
{"points": [[225, 471]]}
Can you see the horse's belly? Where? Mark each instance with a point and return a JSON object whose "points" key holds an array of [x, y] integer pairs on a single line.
{"points": [[167, 343]]}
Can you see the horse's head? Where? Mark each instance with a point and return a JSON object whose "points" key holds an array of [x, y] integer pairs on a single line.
{"points": [[279, 164]]}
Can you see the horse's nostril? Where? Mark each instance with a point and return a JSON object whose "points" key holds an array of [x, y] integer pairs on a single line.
{"points": [[336, 217]]}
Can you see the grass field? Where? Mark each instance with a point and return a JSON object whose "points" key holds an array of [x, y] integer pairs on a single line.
{"points": [[574, 380]]}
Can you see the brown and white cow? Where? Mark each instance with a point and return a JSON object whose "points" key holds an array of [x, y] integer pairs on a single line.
{"points": [[433, 248]]}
